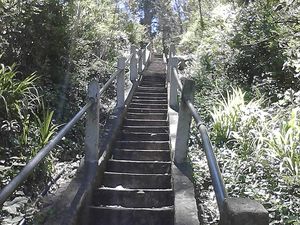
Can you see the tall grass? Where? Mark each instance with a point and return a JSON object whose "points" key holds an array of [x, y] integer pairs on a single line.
{"points": [[259, 149], [253, 130], [283, 143], [16, 95], [225, 115], [236, 121], [26, 125]]}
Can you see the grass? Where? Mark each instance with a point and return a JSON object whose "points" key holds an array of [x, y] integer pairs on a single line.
{"points": [[283, 143]]}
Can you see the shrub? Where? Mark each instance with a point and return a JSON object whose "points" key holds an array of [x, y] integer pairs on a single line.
{"points": [[259, 152], [25, 126], [284, 144]]}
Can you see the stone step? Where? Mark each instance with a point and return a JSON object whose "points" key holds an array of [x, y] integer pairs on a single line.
{"points": [[162, 98], [143, 145], [152, 89], [148, 106], [157, 79], [148, 116], [159, 56], [140, 167], [150, 94], [150, 101], [115, 215], [154, 77], [153, 80], [152, 85], [137, 181], [133, 198], [143, 123], [146, 110], [144, 137], [146, 129]]}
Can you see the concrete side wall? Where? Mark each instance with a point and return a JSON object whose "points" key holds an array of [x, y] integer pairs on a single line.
{"points": [[186, 212]]}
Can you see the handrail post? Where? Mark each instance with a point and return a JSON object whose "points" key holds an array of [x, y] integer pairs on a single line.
{"points": [[150, 47], [91, 140], [239, 211], [140, 52], [145, 57], [184, 121], [133, 64], [171, 55], [173, 84], [121, 82]]}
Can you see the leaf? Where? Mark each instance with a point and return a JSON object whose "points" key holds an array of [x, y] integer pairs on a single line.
{"points": [[13, 220], [3, 168], [13, 206]]}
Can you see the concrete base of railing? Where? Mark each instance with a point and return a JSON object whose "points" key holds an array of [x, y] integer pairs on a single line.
{"points": [[241, 211], [186, 212]]}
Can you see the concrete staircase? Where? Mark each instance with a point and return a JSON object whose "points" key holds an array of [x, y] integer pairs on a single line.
{"points": [[137, 186]]}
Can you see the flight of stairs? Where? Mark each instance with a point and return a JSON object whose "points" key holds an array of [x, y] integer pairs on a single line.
{"points": [[137, 186]]}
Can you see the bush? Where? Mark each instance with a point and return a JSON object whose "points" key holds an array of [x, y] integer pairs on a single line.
{"points": [[260, 43], [258, 148], [26, 126]]}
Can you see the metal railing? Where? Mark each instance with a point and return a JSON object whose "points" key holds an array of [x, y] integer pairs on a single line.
{"points": [[187, 111], [249, 209], [137, 62]]}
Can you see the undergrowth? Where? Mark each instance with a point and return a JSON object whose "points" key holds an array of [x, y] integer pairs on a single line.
{"points": [[26, 125], [258, 147], [245, 65]]}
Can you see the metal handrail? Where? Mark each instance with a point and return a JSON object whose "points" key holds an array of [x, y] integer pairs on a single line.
{"points": [[214, 169], [217, 180], [26, 171], [111, 79], [34, 162]]}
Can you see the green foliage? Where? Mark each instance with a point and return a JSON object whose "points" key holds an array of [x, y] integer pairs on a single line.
{"points": [[260, 42], [99, 32], [134, 32], [15, 94], [225, 115], [34, 35], [17, 98], [283, 144], [25, 128], [254, 45], [67, 43], [190, 39], [257, 146], [45, 127], [245, 67]]}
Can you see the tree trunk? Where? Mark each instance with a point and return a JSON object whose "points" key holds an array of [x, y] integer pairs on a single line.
{"points": [[148, 16], [200, 13], [179, 13]]}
